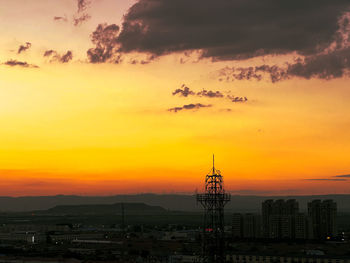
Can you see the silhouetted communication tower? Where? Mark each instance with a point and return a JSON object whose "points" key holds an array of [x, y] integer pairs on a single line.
{"points": [[213, 200]]}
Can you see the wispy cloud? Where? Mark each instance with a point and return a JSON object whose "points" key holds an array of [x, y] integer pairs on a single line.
{"points": [[78, 20], [80, 15]]}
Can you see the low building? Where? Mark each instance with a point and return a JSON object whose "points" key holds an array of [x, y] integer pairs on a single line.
{"points": [[236, 258]]}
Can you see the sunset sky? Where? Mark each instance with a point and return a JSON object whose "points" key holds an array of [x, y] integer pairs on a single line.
{"points": [[103, 97]]}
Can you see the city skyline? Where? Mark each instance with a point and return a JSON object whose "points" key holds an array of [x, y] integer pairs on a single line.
{"points": [[99, 96]]}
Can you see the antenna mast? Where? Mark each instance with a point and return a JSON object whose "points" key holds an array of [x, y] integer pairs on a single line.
{"points": [[213, 201]]}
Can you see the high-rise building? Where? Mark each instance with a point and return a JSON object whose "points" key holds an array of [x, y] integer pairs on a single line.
{"points": [[237, 225], [266, 213], [246, 226], [287, 226], [274, 226], [251, 226], [279, 218], [323, 218], [291, 207], [302, 226]]}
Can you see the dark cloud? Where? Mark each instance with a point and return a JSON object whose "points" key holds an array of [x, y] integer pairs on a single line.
{"points": [[49, 53], [226, 30], [331, 65], [250, 73], [210, 94], [66, 57], [326, 179], [184, 91], [237, 99], [332, 61], [327, 66], [317, 31], [189, 107], [55, 57], [13, 63], [275, 73], [104, 39], [343, 176], [23, 48]]}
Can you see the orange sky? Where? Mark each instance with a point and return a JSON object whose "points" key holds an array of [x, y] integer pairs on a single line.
{"points": [[81, 128]]}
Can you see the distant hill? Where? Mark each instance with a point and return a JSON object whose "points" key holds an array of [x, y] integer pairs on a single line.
{"points": [[103, 209], [172, 202]]}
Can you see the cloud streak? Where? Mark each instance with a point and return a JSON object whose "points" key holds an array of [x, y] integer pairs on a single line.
{"points": [[326, 179], [60, 18], [343, 176]]}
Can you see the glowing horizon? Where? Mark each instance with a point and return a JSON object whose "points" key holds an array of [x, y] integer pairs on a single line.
{"points": [[111, 127]]}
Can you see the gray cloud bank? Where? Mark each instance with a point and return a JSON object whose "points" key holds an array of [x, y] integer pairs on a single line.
{"points": [[317, 31], [226, 30]]}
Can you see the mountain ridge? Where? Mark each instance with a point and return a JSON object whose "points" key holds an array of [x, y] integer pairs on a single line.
{"points": [[176, 202]]}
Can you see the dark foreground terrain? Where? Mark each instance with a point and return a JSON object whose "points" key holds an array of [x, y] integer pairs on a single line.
{"points": [[137, 232]]}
